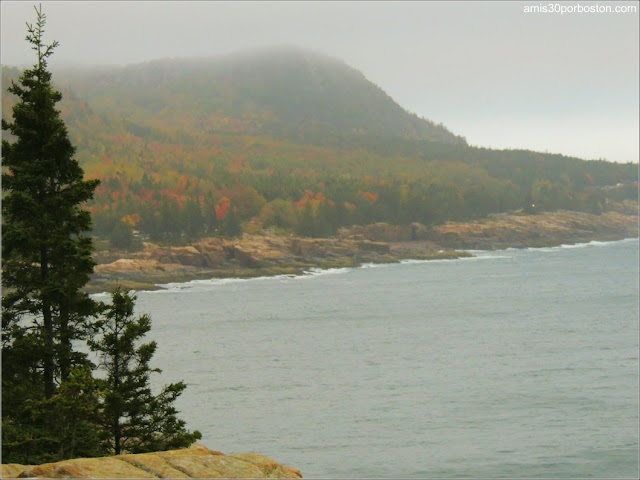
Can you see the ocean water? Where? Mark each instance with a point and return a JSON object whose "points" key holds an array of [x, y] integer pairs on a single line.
{"points": [[520, 363]]}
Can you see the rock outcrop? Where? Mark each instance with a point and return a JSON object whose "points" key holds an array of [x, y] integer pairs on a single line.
{"points": [[269, 254], [543, 230], [195, 462]]}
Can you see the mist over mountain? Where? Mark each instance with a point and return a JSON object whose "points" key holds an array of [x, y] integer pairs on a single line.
{"points": [[294, 140], [280, 90]]}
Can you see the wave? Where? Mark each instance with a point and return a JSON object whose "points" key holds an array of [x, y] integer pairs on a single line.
{"points": [[376, 265], [212, 282], [478, 255], [218, 282], [593, 243], [316, 272]]}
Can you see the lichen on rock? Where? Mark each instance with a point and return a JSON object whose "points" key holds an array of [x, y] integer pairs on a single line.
{"points": [[194, 462]]}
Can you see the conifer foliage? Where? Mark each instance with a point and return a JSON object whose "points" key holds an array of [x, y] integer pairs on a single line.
{"points": [[52, 406], [46, 260], [46, 252], [135, 420]]}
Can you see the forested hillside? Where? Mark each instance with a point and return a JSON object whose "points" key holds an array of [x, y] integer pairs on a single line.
{"points": [[293, 141]]}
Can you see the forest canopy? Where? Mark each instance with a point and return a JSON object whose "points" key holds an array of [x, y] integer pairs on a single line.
{"points": [[295, 142]]}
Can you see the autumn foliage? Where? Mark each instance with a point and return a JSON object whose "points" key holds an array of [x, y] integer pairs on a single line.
{"points": [[173, 165]]}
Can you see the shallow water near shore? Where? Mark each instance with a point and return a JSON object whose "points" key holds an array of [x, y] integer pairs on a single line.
{"points": [[512, 363]]}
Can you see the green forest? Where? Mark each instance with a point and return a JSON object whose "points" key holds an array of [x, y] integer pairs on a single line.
{"points": [[294, 142]]}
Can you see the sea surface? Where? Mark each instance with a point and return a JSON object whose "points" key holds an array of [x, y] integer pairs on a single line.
{"points": [[519, 363]]}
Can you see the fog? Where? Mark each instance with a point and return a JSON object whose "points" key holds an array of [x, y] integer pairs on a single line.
{"points": [[503, 78]]}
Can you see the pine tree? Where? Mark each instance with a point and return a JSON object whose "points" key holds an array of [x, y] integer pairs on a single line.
{"points": [[134, 420], [306, 223], [209, 214], [231, 224], [46, 252], [193, 220]]}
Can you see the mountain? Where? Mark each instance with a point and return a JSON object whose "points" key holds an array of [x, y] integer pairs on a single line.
{"points": [[283, 91], [293, 141]]}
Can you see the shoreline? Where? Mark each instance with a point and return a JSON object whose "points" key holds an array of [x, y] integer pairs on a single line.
{"points": [[268, 255]]}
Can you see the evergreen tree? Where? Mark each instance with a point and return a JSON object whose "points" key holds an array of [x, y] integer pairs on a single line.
{"points": [[210, 218], [46, 252], [306, 223], [121, 236], [193, 220], [134, 420], [231, 224]]}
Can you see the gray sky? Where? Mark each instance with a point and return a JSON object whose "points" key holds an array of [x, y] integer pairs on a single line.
{"points": [[557, 82]]}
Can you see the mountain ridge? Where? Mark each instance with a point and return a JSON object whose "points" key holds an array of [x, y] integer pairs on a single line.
{"points": [[294, 89]]}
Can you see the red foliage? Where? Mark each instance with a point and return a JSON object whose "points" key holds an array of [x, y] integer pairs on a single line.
{"points": [[222, 207]]}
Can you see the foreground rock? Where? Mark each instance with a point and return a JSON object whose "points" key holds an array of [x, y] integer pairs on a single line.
{"points": [[269, 254], [194, 462]]}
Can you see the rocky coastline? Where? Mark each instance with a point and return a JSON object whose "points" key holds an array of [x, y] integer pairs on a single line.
{"points": [[270, 254], [194, 462]]}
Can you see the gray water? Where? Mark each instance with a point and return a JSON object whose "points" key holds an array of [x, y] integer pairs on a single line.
{"points": [[515, 363]]}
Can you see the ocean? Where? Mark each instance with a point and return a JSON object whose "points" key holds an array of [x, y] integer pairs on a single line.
{"points": [[518, 363]]}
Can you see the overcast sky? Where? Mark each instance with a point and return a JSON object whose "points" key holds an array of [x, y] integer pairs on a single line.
{"points": [[563, 83]]}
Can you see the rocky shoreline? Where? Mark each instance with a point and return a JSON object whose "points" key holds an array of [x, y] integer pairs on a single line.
{"points": [[270, 254], [194, 462]]}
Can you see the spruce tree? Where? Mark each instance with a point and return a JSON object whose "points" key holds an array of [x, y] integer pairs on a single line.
{"points": [[46, 251], [231, 224], [135, 420]]}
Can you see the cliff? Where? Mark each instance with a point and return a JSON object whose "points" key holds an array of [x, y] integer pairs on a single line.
{"points": [[195, 462], [269, 254]]}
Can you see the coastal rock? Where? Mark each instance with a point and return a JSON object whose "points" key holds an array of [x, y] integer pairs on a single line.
{"points": [[376, 247], [270, 254], [308, 247], [379, 232], [241, 257], [195, 462], [546, 229]]}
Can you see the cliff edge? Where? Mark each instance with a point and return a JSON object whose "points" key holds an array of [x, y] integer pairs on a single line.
{"points": [[194, 462]]}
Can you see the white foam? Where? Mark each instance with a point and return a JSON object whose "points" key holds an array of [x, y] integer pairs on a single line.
{"points": [[378, 265], [593, 243], [213, 282], [314, 272]]}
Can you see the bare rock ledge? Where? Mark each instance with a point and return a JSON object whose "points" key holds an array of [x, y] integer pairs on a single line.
{"points": [[194, 462]]}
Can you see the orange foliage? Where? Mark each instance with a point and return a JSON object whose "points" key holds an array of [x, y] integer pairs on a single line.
{"points": [[222, 207], [308, 195], [372, 197], [132, 219]]}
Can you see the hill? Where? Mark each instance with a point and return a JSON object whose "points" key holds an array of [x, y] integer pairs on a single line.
{"points": [[282, 91], [295, 142]]}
